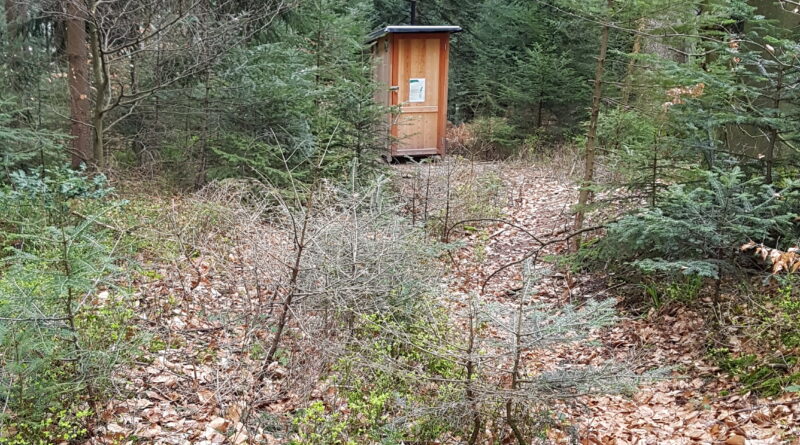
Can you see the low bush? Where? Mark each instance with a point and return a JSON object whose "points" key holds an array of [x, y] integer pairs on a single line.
{"points": [[484, 138], [23, 146], [698, 230], [761, 343], [441, 195], [695, 244], [64, 322]]}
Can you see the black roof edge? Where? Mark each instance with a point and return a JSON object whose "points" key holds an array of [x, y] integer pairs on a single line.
{"points": [[410, 29]]}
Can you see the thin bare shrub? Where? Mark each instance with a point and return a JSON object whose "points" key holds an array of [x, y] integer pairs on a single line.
{"points": [[287, 283], [436, 195], [332, 304]]}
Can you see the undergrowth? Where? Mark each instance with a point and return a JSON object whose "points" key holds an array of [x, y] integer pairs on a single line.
{"points": [[763, 352], [65, 320], [690, 250]]}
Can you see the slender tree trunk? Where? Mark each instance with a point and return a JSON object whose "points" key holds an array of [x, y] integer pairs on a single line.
{"points": [[539, 108], [471, 371], [773, 134], [80, 107], [585, 194], [11, 18], [300, 246], [14, 10], [200, 178], [517, 351], [637, 48], [654, 174], [200, 175], [446, 223], [101, 85], [155, 128]]}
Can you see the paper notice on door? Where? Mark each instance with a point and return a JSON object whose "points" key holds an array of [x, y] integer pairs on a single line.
{"points": [[416, 90]]}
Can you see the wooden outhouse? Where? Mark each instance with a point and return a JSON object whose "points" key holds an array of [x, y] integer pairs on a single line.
{"points": [[411, 71]]}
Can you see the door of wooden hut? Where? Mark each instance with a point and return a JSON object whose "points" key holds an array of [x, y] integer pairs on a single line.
{"points": [[420, 73]]}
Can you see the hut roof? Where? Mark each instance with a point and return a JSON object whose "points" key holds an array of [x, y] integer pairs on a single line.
{"points": [[410, 29]]}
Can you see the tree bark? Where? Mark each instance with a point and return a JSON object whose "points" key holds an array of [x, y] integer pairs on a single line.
{"points": [[200, 178], [14, 10], [11, 19], [585, 194], [471, 371], [637, 48], [773, 134], [539, 108], [515, 369], [101, 85], [300, 246], [78, 81]]}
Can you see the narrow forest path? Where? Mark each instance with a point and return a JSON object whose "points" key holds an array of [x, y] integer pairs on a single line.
{"points": [[696, 403]]}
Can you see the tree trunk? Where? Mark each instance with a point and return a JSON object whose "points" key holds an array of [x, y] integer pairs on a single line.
{"points": [[471, 371], [588, 174], [300, 246], [637, 48], [14, 10], [654, 174], [11, 18], [200, 178], [517, 351], [80, 107], [539, 108], [101, 85], [773, 134]]}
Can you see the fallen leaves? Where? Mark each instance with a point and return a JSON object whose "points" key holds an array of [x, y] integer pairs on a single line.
{"points": [[736, 440], [198, 388], [685, 408], [678, 95], [788, 261]]}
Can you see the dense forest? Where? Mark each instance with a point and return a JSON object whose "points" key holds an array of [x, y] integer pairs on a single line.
{"points": [[204, 240]]}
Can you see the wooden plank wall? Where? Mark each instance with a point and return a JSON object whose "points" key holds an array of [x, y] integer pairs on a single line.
{"points": [[381, 53]]}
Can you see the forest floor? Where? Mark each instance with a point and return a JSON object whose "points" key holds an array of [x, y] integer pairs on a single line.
{"points": [[696, 403], [199, 383]]}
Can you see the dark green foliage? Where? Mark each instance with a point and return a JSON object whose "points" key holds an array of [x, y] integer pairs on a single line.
{"points": [[21, 146], [522, 61], [297, 94], [706, 138], [697, 230], [731, 104], [544, 80], [637, 151], [58, 337]]}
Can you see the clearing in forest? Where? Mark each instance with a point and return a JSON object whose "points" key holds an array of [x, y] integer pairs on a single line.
{"points": [[210, 303]]}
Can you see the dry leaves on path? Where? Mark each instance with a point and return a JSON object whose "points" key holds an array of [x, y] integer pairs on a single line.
{"points": [[696, 404]]}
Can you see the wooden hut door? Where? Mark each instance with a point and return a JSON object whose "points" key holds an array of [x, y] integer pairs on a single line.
{"points": [[420, 73]]}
